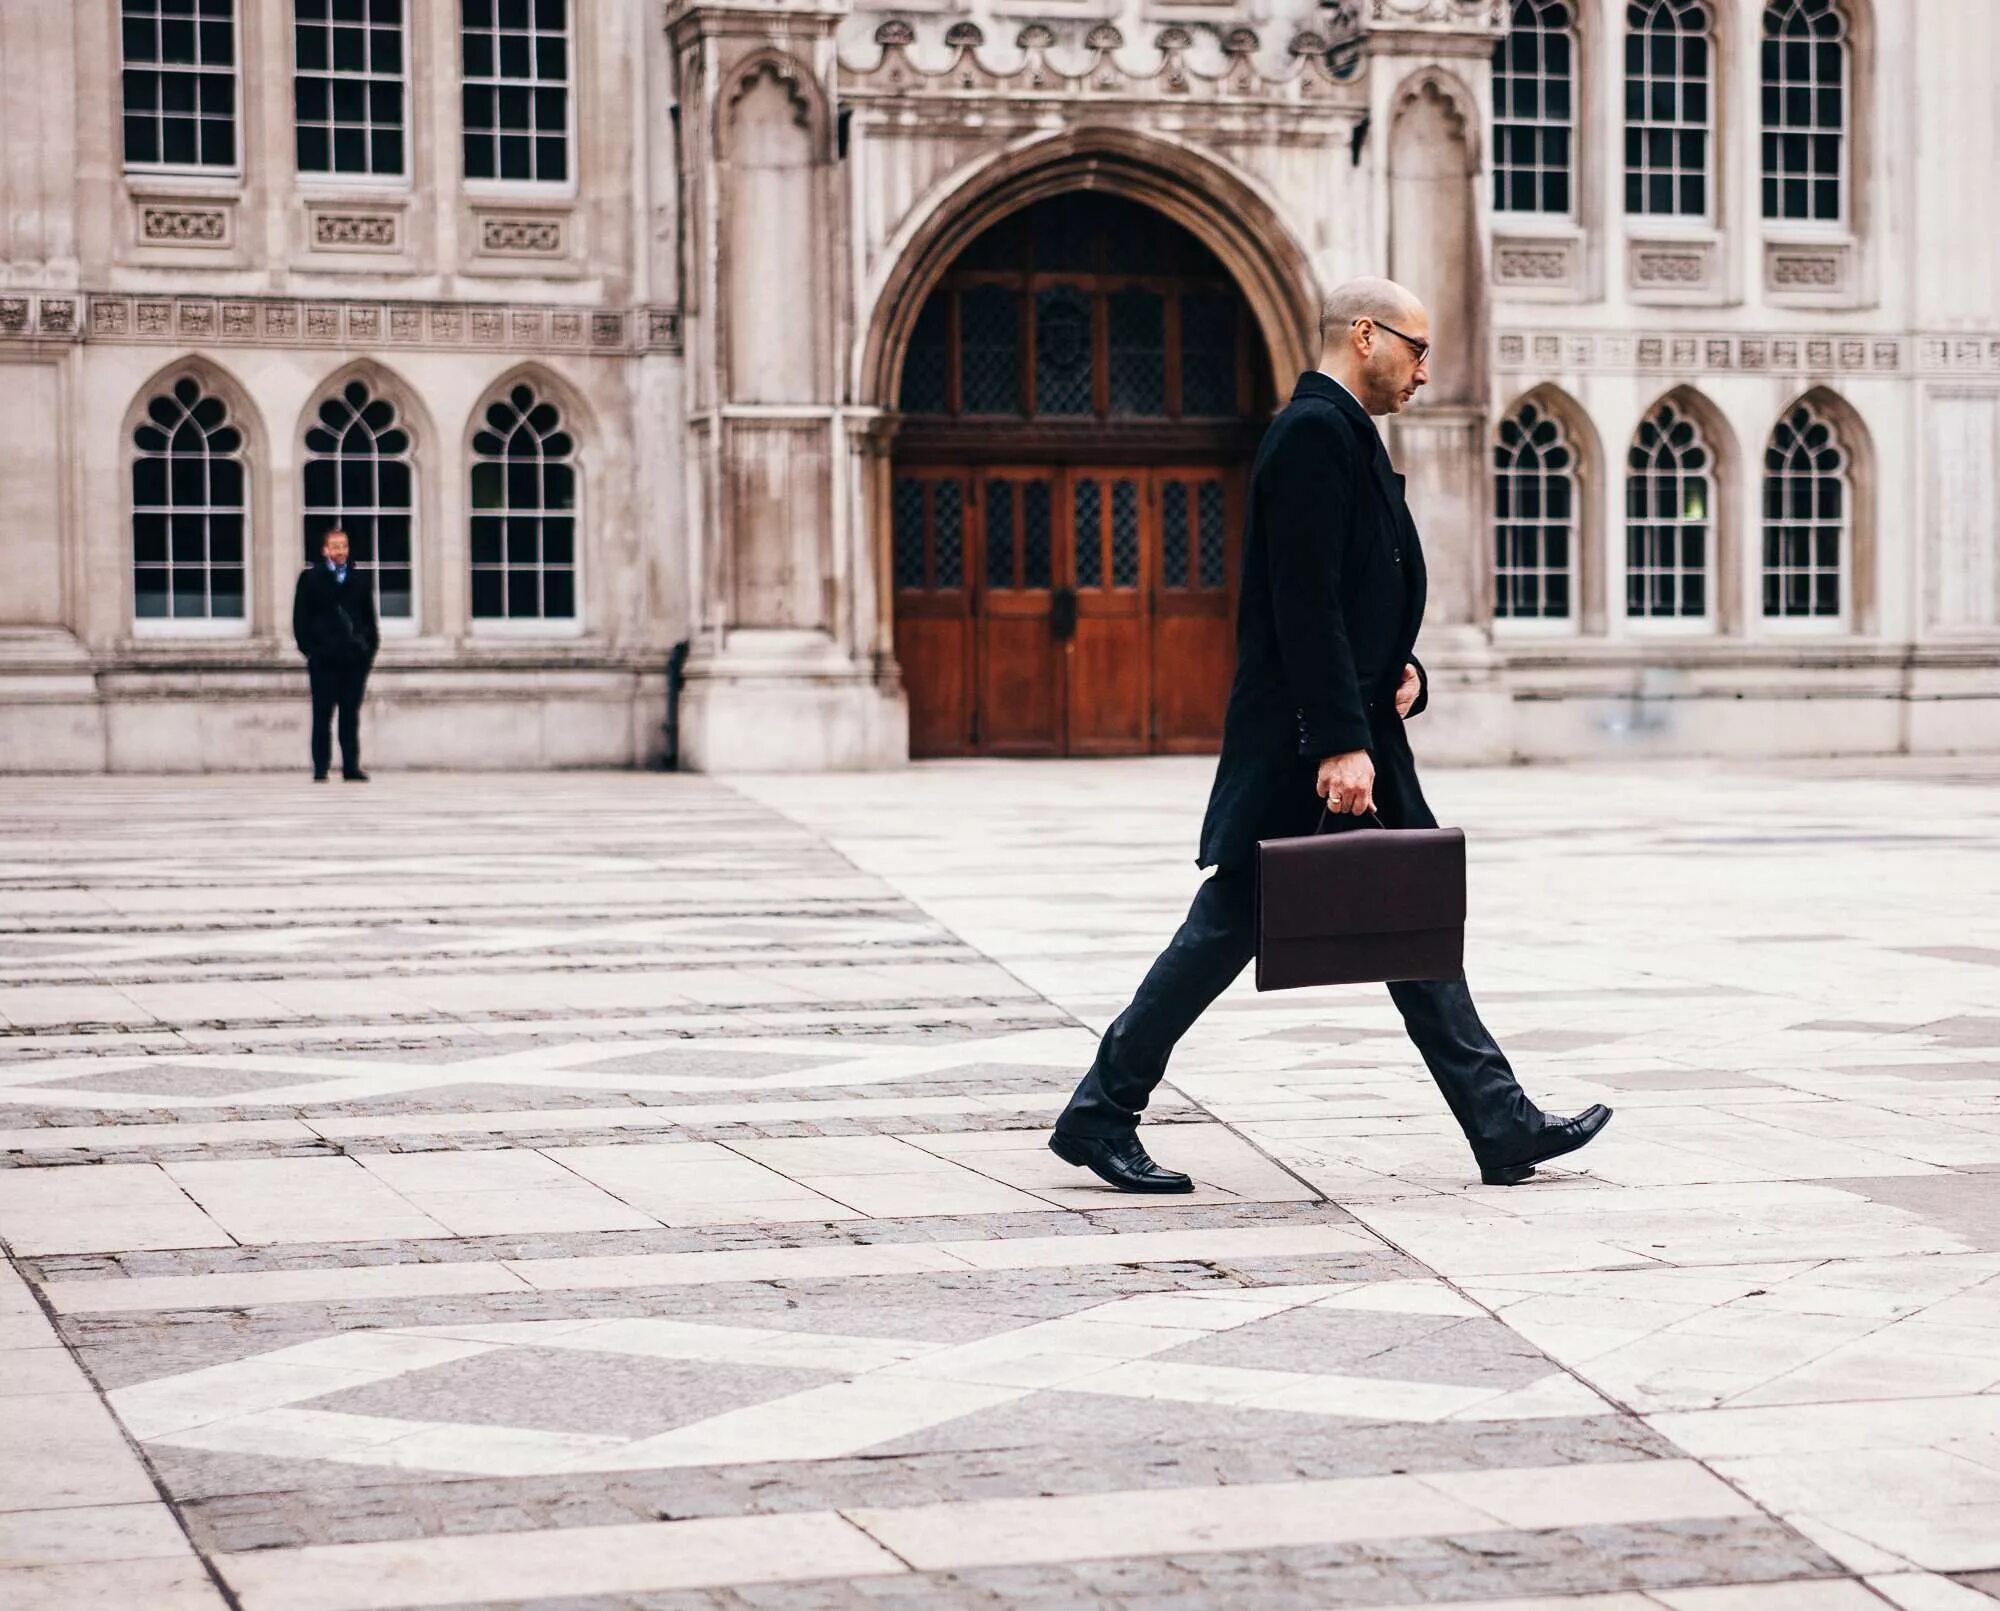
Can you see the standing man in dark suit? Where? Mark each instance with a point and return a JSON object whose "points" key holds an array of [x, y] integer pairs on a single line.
{"points": [[1326, 675], [333, 620]]}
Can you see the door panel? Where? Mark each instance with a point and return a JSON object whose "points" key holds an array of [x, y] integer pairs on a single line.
{"points": [[1019, 668], [1106, 693], [930, 555], [1194, 647]]}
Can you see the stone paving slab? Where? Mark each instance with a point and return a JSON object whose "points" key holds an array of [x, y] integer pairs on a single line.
{"points": [[350, 1170]]}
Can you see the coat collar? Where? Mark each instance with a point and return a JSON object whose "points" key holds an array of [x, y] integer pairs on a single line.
{"points": [[1317, 383]]}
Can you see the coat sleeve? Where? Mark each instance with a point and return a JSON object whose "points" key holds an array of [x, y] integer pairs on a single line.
{"points": [[302, 628], [1423, 698], [1308, 511], [371, 631]]}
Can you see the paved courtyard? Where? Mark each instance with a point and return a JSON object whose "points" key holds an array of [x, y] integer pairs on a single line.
{"points": [[628, 1191]]}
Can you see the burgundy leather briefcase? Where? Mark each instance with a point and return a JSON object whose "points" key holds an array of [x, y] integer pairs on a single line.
{"points": [[1360, 905]]}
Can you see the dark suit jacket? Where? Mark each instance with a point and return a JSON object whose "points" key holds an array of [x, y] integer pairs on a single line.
{"points": [[334, 620], [1332, 596]]}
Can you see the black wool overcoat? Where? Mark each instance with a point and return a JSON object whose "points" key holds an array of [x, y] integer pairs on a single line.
{"points": [[334, 620], [1332, 596]]}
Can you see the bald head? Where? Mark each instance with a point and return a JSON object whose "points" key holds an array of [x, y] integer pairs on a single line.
{"points": [[1375, 339], [1369, 297]]}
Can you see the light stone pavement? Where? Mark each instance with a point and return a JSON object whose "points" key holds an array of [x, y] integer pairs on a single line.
{"points": [[629, 1191]]}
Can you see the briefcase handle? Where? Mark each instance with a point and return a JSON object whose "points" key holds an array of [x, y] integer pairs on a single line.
{"points": [[1326, 816]]}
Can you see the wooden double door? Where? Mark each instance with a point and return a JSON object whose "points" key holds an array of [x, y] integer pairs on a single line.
{"points": [[1065, 610]]}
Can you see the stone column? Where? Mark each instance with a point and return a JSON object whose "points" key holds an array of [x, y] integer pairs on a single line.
{"points": [[782, 673]]}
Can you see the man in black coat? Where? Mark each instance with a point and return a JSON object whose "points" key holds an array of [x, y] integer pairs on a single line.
{"points": [[333, 621], [1326, 675]]}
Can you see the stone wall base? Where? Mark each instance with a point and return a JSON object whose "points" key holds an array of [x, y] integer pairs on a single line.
{"points": [[774, 701]]}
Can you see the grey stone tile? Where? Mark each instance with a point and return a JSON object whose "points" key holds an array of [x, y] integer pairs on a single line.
{"points": [[1963, 1202], [1356, 1342]]}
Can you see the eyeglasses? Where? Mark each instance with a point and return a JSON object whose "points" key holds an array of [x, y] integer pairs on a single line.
{"points": [[1422, 348]]}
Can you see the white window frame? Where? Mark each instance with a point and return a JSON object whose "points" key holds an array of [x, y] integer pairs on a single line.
{"points": [[391, 626], [1712, 169], [189, 626], [1543, 626], [538, 627], [1810, 626], [1842, 223], [233, 172], [1514, 217], [315, 179], [497, 186], [1709, 621]]}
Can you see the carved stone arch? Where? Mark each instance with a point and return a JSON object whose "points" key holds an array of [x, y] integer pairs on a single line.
{"points": [[578, 416], [1222, 208], [411, 410], [802, 89], [1593, 530], [1727, 453], [265, 577], [1455, 102], [1436, 240], [1857, 443]]}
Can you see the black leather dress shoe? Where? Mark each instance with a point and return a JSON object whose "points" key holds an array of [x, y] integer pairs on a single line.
{"points": [[1121, 1163], [356, 776], [319, 777], [1557, 1137]]}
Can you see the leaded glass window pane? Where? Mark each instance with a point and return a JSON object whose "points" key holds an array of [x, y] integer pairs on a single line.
{"points": [[926, 369], [1213, 535], [1000, 534], [1208, 354], [359, 478], [1805, 517], [1037, 535], [524, 528], [1667, 107], [178, 83], [1062, 351], [190, 513], [1138, 352], [1124, 534], [1174, 534], [1532, 109], [1804, 92], [515, 95], [1668, 502], [948, 524], [347, 87], [989, 319], [906, 519], [1087, 507], [1534, 501]]}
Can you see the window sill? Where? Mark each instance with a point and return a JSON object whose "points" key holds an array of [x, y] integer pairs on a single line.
{"points": [[519, 631], [188, 630]]}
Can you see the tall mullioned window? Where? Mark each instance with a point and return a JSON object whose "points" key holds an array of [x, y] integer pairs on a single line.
{"points": [[1534, 109], [1669, 111], [190, 509], [179, 83], [358, 477], [1807, 510], [347, 86], [1534, 519], [1804, 92], [523, 513], [1669, 519], [516, 61]]}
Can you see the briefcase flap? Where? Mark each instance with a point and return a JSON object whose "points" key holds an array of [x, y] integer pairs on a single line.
{"points": [[1362, 881]]}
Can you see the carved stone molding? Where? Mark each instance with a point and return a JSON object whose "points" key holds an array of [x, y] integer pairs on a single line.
{"points": [[509, 235], [185, 224], [387, 326], [1518, 263], [1809, 270], [1680, 352], [1673, 268], [1437, 13], [927, 58], [346, 230]]}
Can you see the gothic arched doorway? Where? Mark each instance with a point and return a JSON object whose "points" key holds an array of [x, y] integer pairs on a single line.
{"points": [[1080, 397]]}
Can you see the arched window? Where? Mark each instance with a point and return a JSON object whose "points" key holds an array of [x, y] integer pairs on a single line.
{"points": [[1807, 516], [1534, 109], [1668, 110], [1669, 519], [358, 478], [1804, 76], [523, 513], [1534, 519], [189, 509]]}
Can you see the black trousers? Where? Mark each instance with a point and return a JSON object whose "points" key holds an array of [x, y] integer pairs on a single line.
{"points": [[337, 684], [1213, 946]]}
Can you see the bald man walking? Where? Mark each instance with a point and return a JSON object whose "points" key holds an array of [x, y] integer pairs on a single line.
{"points": [[1326, 676]]}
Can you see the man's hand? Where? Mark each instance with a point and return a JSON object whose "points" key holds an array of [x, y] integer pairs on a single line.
{"points": [[1407, 690], [1347, 783]]}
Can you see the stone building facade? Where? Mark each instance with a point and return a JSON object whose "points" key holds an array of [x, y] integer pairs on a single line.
{"points": [[903, 362]]}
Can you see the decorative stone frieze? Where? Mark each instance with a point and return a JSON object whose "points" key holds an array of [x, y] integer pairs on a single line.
{"points": [[1809, 270], [1538, 263], [504, 235], [284, 322], [183, 224], [350, 231], [1079, 61], [1717, 352]]}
